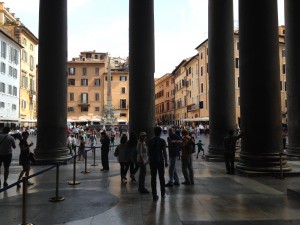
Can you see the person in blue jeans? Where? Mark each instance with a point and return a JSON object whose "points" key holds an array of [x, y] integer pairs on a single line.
{"points": [[173, 148]]}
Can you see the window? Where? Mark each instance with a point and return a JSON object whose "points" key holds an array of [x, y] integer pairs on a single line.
{"points": [[24, 82], [283, 53], [97, 96], [97, 70], [202, 88], [238, 100], [97, 109], [123, 78], [201, 55], [97, 82], [123, 114], [10, 89], [84, 109], [283, 68], [237, 63], [84, 82], [122, 103], [14, 107], [84, 98], [71, 82], [70, 109], [2, 87], [237, 45], [281, 85], [15, 91], [15, 73], [3, 49], [2, 104], [31, 47], [238, 82], [24, 55], [3, 67], [23, 104], [88, 55], [201, 70], [201, 105], [31, 63], [110, 78], [71, 70], [84, 71], [24, 41], [71, 96], [123, 90], [10, 71]]}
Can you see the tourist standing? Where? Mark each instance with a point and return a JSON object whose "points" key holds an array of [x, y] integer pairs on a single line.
{"points": [[121, 153], [143, 160], [157, 160], [104, 151], [7, 143]]}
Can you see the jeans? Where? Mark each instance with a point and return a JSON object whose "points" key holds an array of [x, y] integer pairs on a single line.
{"points": [[157, 167], [187, 168], [142, 175], [172, 170]]}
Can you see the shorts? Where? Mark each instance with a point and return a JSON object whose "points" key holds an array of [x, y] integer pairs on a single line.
{"points": [[6, 160]]}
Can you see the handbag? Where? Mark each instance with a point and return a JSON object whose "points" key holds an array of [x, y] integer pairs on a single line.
{"points": [[31, 157]]}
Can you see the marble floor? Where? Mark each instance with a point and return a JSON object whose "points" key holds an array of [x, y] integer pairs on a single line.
{"points": [[215, 199]]}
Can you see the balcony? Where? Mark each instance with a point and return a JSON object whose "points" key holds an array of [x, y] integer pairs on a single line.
{"points": [[191, 107], [84, 103]]}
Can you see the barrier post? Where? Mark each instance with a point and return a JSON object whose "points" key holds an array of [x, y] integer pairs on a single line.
{"points": [[281, 169], [85, 164], [94, 151], [24, 202], [74, 182], [57, 198]]}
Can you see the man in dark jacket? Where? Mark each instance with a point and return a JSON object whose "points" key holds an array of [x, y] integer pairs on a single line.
{"points": [[157, 160], [105, 141], [229, 150]]}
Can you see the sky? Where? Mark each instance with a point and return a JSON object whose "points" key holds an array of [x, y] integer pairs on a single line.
{"points": [[102, 25]]}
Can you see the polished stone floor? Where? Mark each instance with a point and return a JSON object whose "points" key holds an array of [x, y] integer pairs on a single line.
{"points": [[100, 198]]}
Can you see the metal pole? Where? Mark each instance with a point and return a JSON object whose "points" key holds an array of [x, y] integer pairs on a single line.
{"points": [[94, 151], [24, 203], [74, 182], [85, 164], [57, 198]]}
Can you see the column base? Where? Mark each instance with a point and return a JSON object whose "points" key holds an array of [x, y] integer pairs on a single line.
{"points": [[293, 151], [51, 155], [215, 153], [267, 163]]}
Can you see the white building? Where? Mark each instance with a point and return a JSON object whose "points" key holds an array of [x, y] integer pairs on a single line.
{"points": [[9, 80]]}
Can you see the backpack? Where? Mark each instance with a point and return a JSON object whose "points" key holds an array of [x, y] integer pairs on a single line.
{"points": [[190, 146]]}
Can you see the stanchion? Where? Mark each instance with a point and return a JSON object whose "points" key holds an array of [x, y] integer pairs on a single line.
{"points": [[57, 198], [281, 169], [24, 202], [85, 164], [74, 182], [94, 151]]}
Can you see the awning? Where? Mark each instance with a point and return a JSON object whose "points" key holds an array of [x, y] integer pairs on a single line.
{"points": [[195, 119], [27, 120]]}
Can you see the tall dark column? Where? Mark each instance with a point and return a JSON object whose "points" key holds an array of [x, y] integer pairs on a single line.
{"points": [[260, 87], [221, 74], [52, 87], [141, 66], [292, 46]]}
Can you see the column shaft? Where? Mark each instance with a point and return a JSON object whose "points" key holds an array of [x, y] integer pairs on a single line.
{"points": [[292, 44], [52, 87], [141, 66], [221, 74], [260, 86]]}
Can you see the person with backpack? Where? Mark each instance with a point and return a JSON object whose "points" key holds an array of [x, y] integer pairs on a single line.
{"points": [[187, 150], [229, 150]]}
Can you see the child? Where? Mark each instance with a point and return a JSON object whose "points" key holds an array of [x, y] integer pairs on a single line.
{"points": [[200, 148]]}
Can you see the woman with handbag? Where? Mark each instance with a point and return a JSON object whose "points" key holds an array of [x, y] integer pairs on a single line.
{"points": [[24, 159]]}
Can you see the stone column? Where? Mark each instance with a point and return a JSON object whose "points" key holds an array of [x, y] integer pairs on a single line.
{"points": [[292, 47], [221, 75], [141, 66], [52, 87], [260, 87]]}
